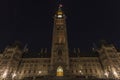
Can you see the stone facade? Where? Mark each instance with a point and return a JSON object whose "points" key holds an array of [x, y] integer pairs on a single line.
{"points": [[14, 65]]}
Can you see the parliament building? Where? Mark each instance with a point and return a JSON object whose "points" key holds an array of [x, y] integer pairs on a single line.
{"points": [[60, 64]]}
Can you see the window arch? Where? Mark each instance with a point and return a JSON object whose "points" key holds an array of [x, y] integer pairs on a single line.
{"points": [[59, 71]]}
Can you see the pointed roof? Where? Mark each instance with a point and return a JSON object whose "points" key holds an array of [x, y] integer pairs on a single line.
{"points": [[60, 6], [59, 12]]}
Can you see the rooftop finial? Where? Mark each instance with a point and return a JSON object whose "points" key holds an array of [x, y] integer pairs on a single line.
{"points": [[60, 6]]}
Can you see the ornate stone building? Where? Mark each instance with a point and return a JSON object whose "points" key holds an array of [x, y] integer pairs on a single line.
{"points": [[14, 65]]}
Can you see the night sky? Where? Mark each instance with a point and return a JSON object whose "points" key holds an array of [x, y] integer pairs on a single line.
{"points": [[31, 22]]}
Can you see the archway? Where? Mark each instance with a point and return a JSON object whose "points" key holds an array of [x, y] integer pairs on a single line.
{"points": [[59, 71]]}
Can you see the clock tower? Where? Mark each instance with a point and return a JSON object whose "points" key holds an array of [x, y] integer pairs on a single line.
{"points": [[59, 52]]}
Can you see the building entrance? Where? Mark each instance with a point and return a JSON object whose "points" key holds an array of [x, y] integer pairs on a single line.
{"points": [[59, 71]]}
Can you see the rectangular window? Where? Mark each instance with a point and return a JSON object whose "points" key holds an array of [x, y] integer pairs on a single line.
{"points": [[86, 70], [24, 71], [90, 70], [95, 71], [29, 71]]}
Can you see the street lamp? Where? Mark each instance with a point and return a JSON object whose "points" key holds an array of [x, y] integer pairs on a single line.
{"points": [[40, 72], [80, 72]]}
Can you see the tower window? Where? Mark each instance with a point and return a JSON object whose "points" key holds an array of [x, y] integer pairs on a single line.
{"points": [[59, 21], [59, 52]]}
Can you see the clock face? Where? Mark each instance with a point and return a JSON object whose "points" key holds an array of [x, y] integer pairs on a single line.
{"points": [[59, 16]]}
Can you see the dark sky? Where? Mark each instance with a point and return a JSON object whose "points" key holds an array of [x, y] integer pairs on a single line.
{"points": [[31, 22]]}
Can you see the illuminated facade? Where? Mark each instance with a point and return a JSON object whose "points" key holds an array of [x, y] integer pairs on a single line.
{"points": [[14, 65]]}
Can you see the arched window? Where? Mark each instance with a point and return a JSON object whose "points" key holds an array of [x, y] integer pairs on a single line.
{"points": [[59, 71]]}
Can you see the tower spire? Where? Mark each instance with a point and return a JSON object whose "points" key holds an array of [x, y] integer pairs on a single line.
{"points": [[60, 7], [59, 11]]}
